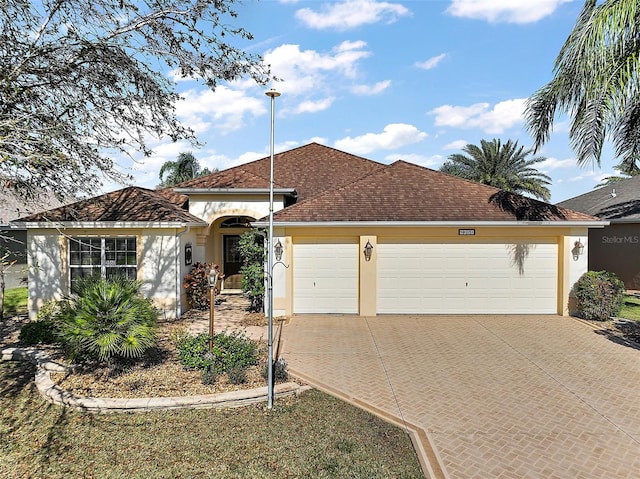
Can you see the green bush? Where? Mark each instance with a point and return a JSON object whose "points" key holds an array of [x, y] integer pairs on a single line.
{"points": [[599, 295], [107, 319], [38, 332], [50, 310], [251, 249], [230, 351]]}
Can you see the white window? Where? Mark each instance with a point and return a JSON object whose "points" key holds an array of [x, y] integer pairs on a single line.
{"points": [[104, 257]]}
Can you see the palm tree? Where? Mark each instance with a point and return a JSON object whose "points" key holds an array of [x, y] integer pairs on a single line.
{"points": [[597, 82], [503, 166], [186, 167]]}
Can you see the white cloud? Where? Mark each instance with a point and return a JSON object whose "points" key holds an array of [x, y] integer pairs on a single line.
{"points": [[455, 145], [509, 11], [305, 71], [366, 90], [226, 108], [395, 135], [312, 106], [496, 120], [431, 62], [552, 163], [594, 176], [351, 14]]}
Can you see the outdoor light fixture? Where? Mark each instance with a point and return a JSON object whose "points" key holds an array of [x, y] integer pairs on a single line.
{"points": [[578, 250], [273, 94], [368, 250], [278, 249], [213, 277], [214, 273]]}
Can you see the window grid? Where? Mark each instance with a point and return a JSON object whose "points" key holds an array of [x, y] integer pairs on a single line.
{"points": [[104, 257]]}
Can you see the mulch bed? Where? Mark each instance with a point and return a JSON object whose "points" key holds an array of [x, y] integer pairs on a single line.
{"points": [[159, 374]]}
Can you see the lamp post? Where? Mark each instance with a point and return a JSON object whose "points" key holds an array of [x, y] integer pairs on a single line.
{"points": [[213, 279], [273, 94]]}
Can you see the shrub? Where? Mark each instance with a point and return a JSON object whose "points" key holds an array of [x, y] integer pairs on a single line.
{"points": [[251, 249], [229, 351], [50, 310], [196, 285], [280, 371], [38, 332], [237, 375], [107, 319], [599, 295]]}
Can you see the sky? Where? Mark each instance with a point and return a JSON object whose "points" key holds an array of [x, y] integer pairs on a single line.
{"points": [[386, 80]]}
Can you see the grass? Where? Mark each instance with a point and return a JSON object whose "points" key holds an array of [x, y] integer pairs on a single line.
{"points": [[630, 308], [15, 301], [312, 436]]}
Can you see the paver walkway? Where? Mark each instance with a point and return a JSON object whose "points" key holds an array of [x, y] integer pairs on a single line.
{"points": [[495, 396]]}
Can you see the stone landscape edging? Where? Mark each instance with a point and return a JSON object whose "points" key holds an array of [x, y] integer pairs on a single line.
{"points": [[56, 395]]}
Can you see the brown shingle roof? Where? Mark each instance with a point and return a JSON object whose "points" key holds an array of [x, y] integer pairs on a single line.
{"points": [[310, 170], [406, 192], [128, 204]]}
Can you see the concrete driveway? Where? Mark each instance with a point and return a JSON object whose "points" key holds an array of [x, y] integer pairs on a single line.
{"points": [[484, 396]]}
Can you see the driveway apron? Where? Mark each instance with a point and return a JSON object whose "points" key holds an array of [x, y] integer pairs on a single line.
{"points": [[484, 396]]}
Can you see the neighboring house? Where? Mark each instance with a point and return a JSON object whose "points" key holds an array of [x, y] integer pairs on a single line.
{"points": [[615, 248], [358, 237]]}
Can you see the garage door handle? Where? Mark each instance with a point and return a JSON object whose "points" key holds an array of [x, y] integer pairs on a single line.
{"points": [[466, 284]]}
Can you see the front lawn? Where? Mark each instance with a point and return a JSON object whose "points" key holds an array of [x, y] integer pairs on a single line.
{"points": [[15, 301], [312, 436], [630, 308]]}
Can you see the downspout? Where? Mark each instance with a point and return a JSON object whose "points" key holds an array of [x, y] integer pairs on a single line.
{"points": [[178, 263]]}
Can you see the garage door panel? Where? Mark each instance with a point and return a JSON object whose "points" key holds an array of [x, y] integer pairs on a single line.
{"points": [[466, 278], [325, 277]]}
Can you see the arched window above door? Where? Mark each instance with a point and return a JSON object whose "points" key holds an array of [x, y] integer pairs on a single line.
{"points": [[237, 222]]}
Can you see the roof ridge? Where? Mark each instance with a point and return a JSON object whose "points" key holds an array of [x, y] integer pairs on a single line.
{"points": [[336, 190]]}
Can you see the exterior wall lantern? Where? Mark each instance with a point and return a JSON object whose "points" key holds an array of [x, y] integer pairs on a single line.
{"points": [[368, 250], [278, 250], [578, 250]]}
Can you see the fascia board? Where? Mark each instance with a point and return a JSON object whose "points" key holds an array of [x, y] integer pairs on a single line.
{"points": [[391, 224], [234, 191], [106, 224]]}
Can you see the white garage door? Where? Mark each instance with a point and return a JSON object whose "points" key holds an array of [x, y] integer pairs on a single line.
{"points": [[325, 277], [496, 278]]}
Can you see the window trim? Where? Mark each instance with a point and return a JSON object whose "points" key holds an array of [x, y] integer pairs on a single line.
{"points": [[103, 267]]}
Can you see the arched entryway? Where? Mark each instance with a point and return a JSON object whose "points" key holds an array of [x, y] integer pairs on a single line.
{"points": [[224, 238]]}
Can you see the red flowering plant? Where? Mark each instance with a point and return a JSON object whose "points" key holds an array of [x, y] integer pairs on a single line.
{"points": [[196, 284]]}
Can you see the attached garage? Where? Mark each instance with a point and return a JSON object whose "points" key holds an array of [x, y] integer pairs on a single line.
{"points": [[325, 276], [510, 277]]}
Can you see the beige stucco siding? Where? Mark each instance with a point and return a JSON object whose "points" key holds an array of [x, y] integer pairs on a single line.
{"points": [[212, 207], [160, 257], [47, 274]]}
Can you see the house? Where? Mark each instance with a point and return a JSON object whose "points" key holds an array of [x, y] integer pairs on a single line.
{"points": [[13, 239], [616, 247], [357, 237]]}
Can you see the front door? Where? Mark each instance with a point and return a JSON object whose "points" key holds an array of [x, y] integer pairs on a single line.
{"points": [[232, 262]]}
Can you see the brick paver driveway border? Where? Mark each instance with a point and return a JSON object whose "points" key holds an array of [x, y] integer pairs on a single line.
{"points": [[484, 396]]}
